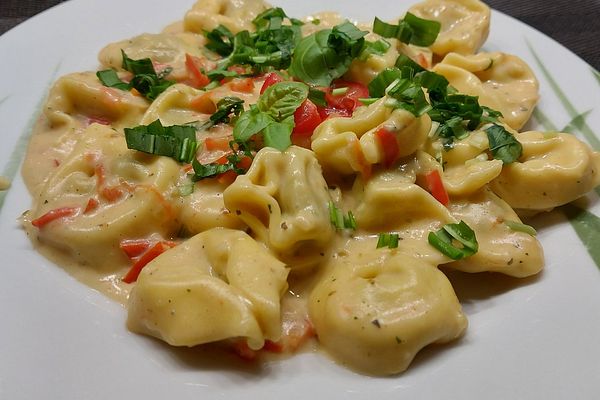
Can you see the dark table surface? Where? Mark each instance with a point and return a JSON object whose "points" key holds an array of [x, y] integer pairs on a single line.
{"points": [[573, 23]]}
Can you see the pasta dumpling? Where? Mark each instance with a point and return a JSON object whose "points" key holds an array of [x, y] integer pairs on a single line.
{"points": [[219, 284], [236, 15], [374, 315], [501, 249], [465, 24], [501, 81], [283, 198], [349, 145], [106, 189], [553, 170], [163, 49]]}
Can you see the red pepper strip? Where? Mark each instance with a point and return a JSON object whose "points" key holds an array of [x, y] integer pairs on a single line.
{"points": [[151, 254], [134, 247], [389, 146], [435, 186], [55, 214], [194, 67]]}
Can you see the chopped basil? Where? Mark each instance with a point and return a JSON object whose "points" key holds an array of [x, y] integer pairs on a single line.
{"points": [[379, 47], [228, 105], [145, 79], [326, 55], [110, 78], [387, 240], [456, 241], [411, 29], [339, 220], [203, 171], [220, 40], [503, 144], [521, 227], [271, 45], [176, 141]]}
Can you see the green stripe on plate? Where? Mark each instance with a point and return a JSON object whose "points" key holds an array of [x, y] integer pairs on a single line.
{"points": [[543, 119], [587, 227], [14, 161], [587, 132], [596, 75]]}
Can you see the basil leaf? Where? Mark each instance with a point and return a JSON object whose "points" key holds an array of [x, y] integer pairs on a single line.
{"points": [[277, 134], [282, 99], [326, 54], [250, 123], [110, 78], [145, 80], [503, 145], [461, 233], [411, 29], [176, 141]]}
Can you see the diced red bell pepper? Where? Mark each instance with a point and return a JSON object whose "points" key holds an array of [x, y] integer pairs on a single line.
{"points": [[388, 144], [435, 186]]}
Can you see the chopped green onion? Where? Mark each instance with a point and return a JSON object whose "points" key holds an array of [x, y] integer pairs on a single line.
{"points": [[521, 227], [339, 220], [368, 100], [339, 91], [456, 241], [389, 240]]}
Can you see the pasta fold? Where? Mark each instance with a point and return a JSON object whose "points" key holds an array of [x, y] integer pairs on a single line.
{"points": [[553, 170], [219, 284], [283, 198], [373, 315]]}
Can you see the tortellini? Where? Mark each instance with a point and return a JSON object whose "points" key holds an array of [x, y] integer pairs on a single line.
{"points": [[501, 249], [375, 314], [218, 285], [553, 170], [166, 50], [109, 190], [466, 165], [236, 15], [502, 82], [465, 24], [362, 217], [284, 200], [349, 145]]}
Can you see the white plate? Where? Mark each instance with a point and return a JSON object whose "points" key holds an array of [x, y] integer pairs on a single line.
{"points": [[533, 339]]}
